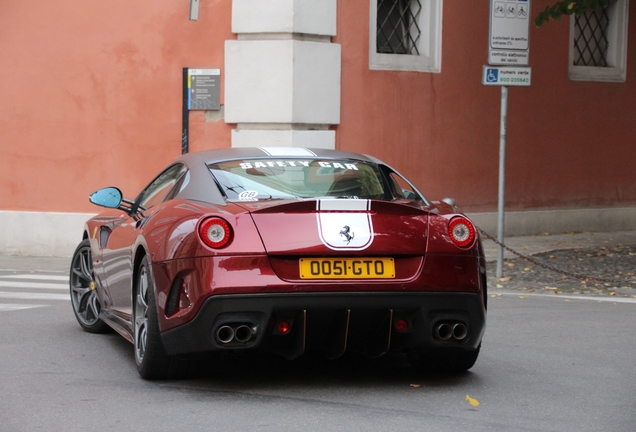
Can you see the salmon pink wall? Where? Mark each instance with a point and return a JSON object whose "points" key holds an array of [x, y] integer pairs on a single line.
{"points": [[90, 95], [570, 144]]}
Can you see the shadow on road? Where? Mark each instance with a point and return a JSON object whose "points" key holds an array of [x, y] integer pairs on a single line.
{"points": [[262, 371], [259, 371]]}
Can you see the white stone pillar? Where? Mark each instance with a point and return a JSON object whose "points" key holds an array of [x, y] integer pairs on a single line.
{"points": [[282, 75]]}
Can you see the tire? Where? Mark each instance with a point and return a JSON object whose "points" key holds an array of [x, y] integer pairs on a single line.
{"points": [[84, 299], [444, 360], [153, 362]]}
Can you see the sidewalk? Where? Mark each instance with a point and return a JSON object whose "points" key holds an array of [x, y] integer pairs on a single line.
{"points": [[588, 263], [532, 245]]}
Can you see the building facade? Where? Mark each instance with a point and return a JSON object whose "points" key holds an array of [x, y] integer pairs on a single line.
{"points": [[91, 95]]}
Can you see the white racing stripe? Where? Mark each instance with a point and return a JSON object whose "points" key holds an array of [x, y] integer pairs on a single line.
{"points": [[41, 285], [13, 307], [344, 224]]}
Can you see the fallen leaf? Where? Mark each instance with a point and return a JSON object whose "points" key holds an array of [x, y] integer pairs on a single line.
{"points": [[526, 269], [473, 402], [549, 288], [416, 385], [530, 290], [504, 279], [498, 286], [612, 293]]}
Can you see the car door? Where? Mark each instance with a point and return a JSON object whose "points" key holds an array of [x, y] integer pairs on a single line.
{"points": [[118, 254]]}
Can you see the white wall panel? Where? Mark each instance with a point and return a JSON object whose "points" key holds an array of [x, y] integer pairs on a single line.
{"points": [[316, 83], [259, 81], [316, 17], [282, 81], [41, 233], [284, 138]]}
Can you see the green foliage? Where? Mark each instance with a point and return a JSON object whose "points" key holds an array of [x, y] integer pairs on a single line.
{"points": [[568, 7]]}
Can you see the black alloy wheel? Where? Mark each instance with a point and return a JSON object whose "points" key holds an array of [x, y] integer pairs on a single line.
{"points": [[84, 297]]}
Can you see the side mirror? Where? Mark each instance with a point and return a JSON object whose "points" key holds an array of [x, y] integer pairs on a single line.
{"points": [[450, 201], [109, 197]]}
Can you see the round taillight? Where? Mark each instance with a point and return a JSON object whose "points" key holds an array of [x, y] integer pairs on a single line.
{"points": [[461, 231], [215, 232]]}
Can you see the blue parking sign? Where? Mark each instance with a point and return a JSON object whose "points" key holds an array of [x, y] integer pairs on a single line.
{"points": [[506, 75], [492, 75]]}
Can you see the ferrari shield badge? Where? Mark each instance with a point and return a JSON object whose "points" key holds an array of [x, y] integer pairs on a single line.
{"points": [[345, 224]]}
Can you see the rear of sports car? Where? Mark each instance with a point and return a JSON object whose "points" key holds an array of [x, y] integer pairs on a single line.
{"points": [[323, 255]]}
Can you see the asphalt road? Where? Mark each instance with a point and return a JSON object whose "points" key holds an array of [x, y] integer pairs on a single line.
{"points": [[548, 363]]}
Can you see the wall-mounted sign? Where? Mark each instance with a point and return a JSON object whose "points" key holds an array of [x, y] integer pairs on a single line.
{"points": [[508, 57], [509, 32], [506, 76], [204, 89]]}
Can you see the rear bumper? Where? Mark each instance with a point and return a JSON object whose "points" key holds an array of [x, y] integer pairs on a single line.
{"points": [[330, 322]]}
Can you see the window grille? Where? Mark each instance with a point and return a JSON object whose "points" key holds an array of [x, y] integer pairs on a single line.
{"points": [[590, 38], [398, 31]]}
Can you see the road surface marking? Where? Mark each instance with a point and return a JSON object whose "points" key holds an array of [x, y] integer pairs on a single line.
{"points": [[31, 276], [573, 297], [12, 307], [41, 285], [34, 296]]}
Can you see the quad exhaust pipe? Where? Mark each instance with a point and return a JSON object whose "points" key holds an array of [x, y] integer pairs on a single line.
{"points": [[241, 333], [447, 330], [225, 334]]}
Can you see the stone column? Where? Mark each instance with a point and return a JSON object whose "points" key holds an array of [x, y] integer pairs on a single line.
{"points": [[282, 75]]}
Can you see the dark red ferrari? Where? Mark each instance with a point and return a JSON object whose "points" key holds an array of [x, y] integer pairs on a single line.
{"points": [[286, 251]]}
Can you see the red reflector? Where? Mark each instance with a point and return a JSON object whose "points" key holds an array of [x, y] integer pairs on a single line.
{"points": [[461, 231], [401, 325], [283, 327]]}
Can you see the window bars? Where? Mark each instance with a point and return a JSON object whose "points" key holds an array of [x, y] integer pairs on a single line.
{"points": [[398, 31], [590, 38]]}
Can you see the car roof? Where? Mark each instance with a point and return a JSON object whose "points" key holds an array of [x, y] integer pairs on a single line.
{"points": [[201, 184], [218, 155]]}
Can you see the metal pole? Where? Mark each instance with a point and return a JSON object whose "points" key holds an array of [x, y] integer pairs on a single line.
{"points": [[185, 115], [502, 179]]}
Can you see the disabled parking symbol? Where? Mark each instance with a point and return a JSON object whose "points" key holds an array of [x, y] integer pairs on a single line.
{"points": [[492, 75]]}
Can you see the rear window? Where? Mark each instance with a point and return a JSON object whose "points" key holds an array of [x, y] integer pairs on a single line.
{"points": [[251, 180]]}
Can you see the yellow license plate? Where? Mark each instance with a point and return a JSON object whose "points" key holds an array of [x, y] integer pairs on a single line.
{"points": [[347, 268]]}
